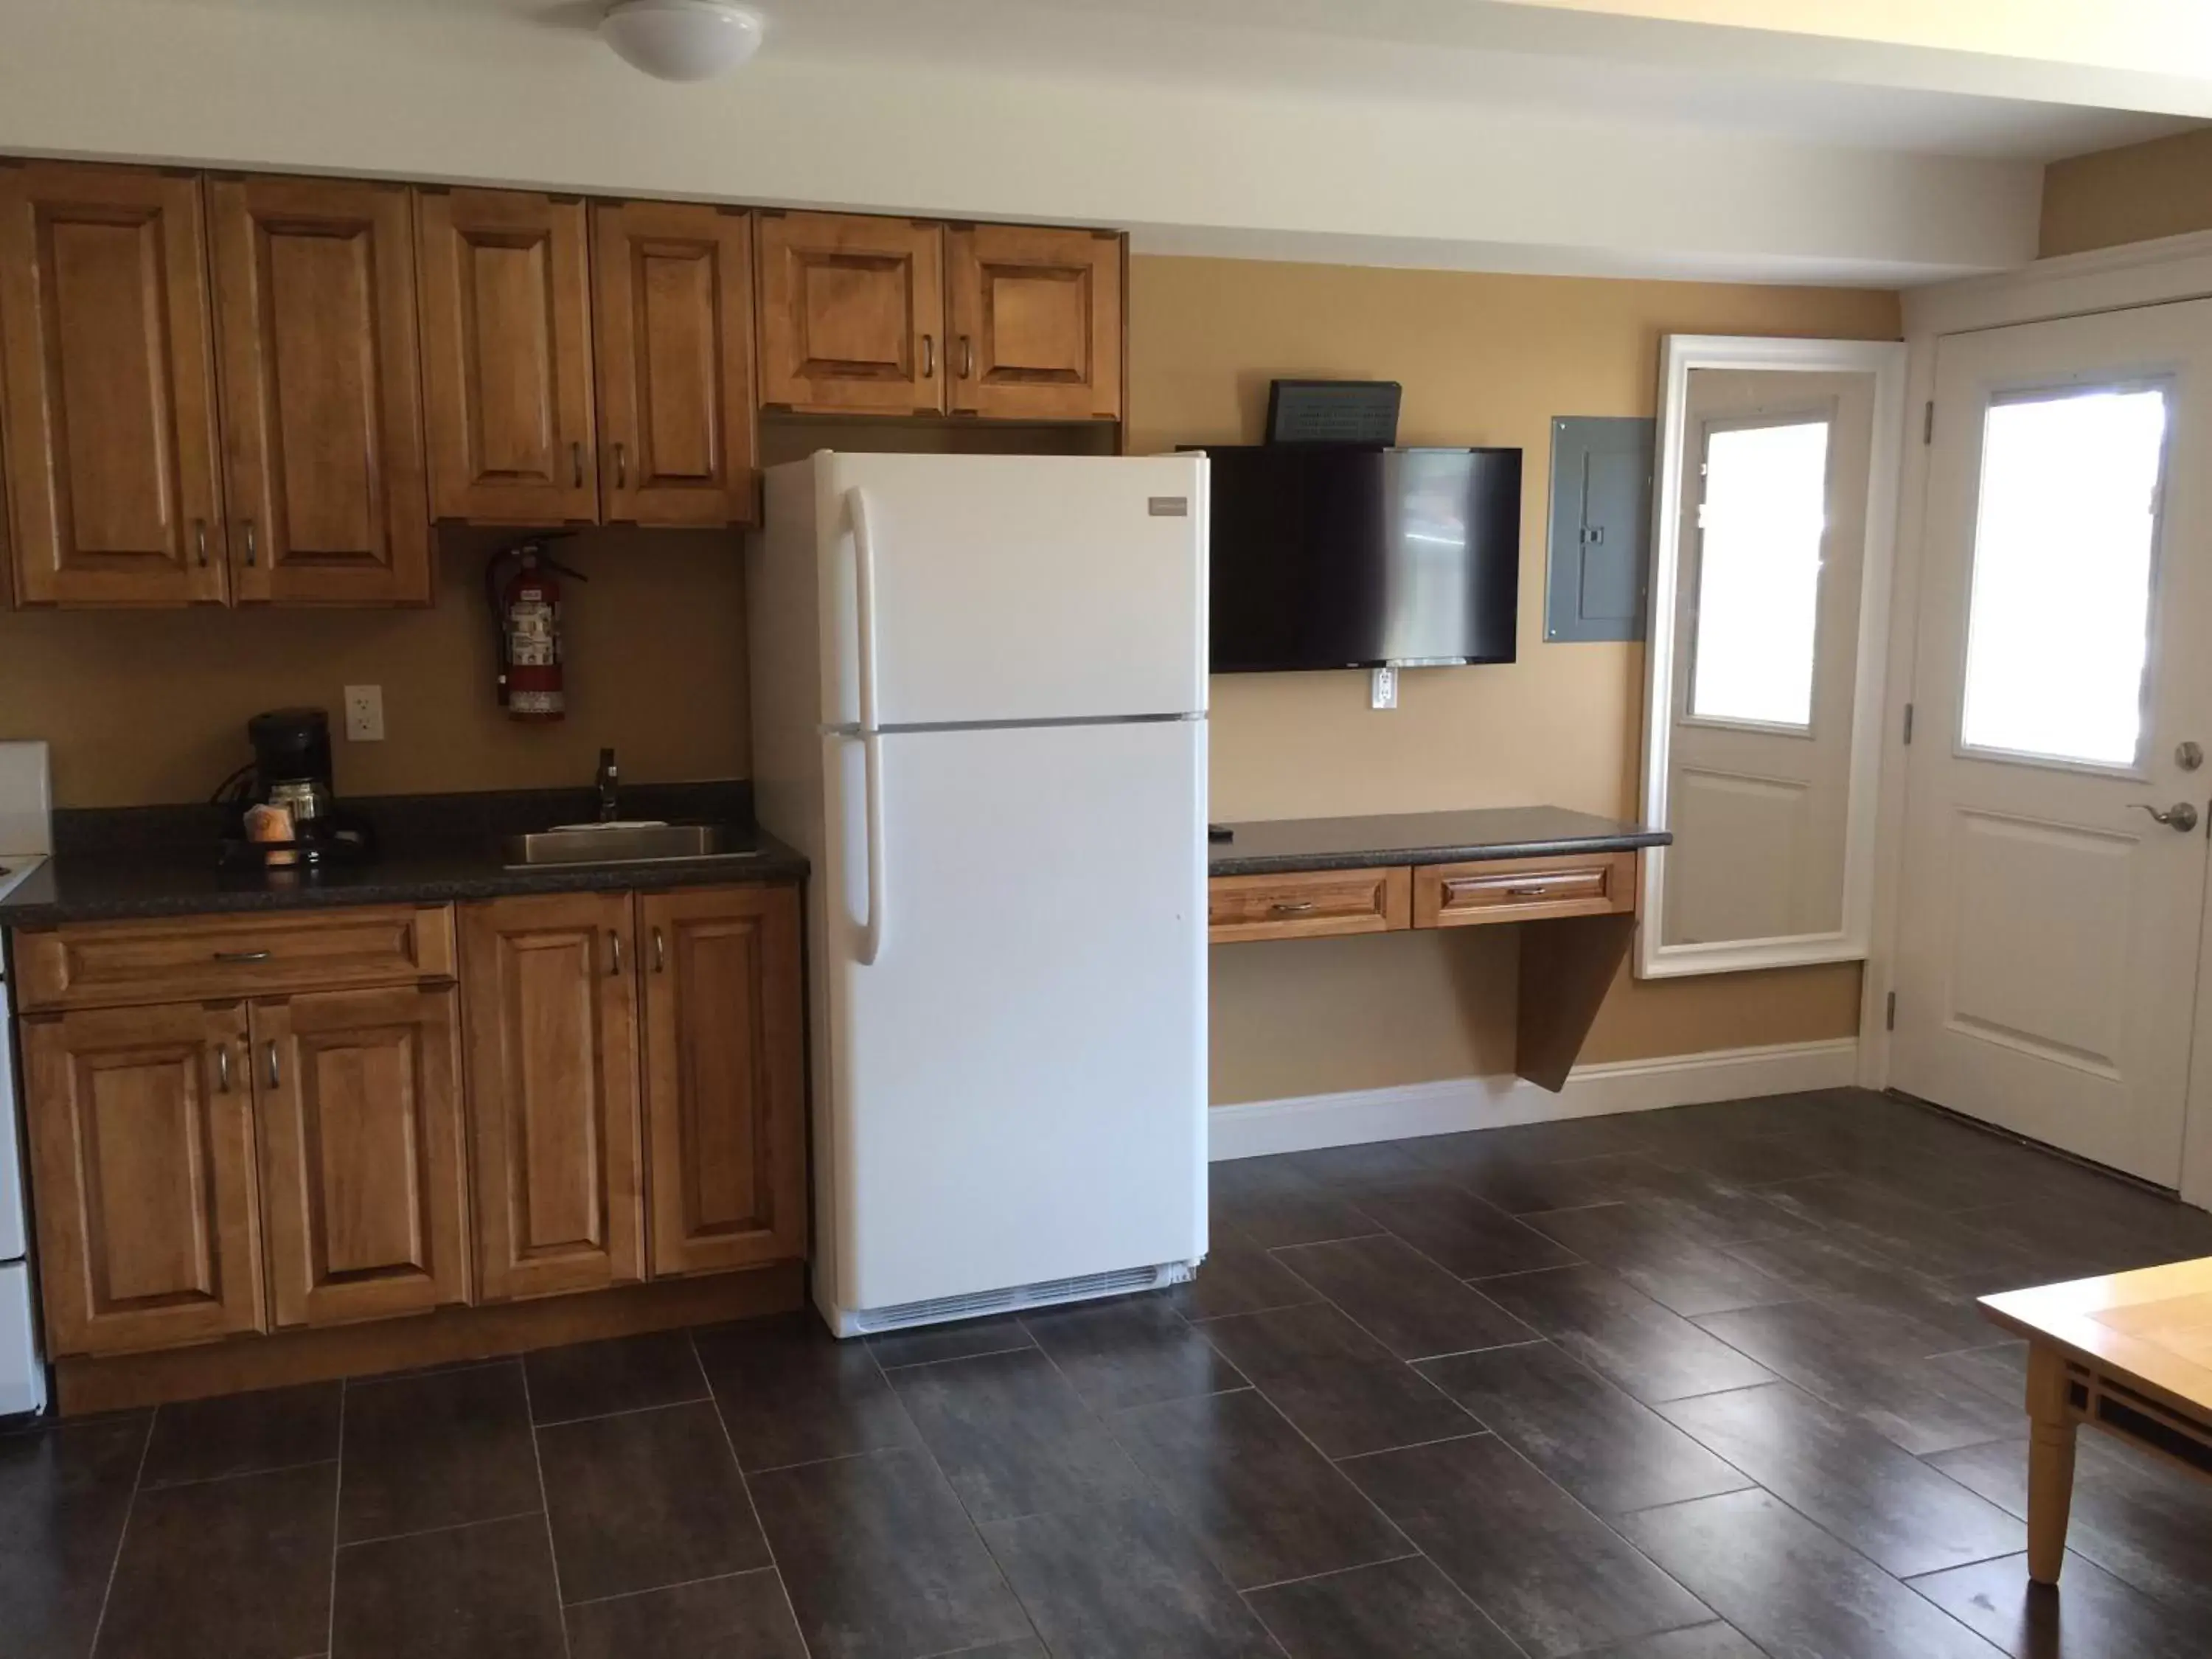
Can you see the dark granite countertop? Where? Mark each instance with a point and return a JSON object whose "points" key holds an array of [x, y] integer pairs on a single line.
{"points": [[161, 861], [1269, 846]]}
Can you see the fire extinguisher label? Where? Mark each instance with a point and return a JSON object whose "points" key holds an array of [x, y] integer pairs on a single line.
{"points": [[533, 638], [534, 702]]}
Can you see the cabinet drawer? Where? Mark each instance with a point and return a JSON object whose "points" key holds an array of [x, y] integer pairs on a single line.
{"points": [[1309, 904], [200, 958], [1523, 889]]}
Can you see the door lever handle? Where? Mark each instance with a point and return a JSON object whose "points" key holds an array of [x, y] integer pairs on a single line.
{"points": [[2180, 817]]}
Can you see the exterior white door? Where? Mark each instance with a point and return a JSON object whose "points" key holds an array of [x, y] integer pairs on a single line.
{"points": [[2055, 854]]}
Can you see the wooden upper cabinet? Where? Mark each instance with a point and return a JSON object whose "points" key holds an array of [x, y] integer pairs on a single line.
{"points": [[506, 357], [852, 311], [107, 395], [322, 415], [1035, 323], [363, 1201], [140, 1130], [724, 1078], [672, 291], [550, 991]]}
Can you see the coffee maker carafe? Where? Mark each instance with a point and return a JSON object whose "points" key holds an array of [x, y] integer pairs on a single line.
{"points": [[292, 767]]}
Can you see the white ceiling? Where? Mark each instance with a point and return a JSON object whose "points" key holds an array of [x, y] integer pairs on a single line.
{"points": [[1497, 55], [1539, 135]]}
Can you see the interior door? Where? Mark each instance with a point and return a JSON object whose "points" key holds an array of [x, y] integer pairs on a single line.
{"points": [[2055, 848], [322, 407], [1766, 630], [506, 357], [674, 317], [1037, 322], [108, 390], [363, 1201]]}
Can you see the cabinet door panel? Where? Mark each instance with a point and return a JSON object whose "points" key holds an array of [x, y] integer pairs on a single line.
{"points": [[322, 413], [552, 1049], [506, 357], [1036, 323], [725, 1099], [141, 1128], [360, 1147], [851, 311], [108, 392], [674, 322]]}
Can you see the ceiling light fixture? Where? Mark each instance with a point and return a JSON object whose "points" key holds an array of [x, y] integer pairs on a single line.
{"points": [[682, 40]]}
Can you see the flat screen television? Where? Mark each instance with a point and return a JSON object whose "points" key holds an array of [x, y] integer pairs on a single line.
{"points": [[1356, 557]]}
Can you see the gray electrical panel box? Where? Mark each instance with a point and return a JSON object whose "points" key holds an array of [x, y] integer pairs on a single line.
{"points": [[1600, 561]]}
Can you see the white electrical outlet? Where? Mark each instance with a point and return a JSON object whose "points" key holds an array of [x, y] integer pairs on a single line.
{"points": [[1383, 688], [364, 710]]}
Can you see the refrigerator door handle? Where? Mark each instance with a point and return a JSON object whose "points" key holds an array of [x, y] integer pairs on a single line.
{"points": [[872, 770], [872, 759], [864, 600]]}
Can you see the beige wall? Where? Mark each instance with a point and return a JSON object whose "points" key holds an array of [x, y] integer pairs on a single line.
{"points": [[151, 706], [1484, 360], [2161, 188]]}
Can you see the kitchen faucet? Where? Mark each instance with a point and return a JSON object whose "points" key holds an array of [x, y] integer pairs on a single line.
{"points": [[608, 780]]}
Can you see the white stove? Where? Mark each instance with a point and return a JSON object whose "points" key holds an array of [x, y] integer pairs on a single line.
{"points": [[26, 839]]}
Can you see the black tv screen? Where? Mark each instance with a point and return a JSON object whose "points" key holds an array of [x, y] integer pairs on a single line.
{"points": [[1344, 557]]}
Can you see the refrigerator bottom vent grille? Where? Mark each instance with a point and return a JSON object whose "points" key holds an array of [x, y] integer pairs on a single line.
{"points": [[1045, 1292]]}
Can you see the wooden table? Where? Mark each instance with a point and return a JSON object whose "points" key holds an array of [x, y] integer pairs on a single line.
{"points": [[2130, 1354]]}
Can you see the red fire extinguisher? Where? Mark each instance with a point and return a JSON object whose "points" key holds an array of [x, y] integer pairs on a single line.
{"points": [[523, 585]]}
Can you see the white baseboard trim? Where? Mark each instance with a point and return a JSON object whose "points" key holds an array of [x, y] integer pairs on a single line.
{"points": [[1304, 1122]]}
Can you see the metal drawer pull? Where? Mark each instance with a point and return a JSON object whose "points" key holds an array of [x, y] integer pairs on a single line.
{"points": [[1291, 907], [1527, 892], [241, 956], [614, 944], [199, 540], [576, 462], [659, 952], [929, 357], [274, 1081], [967, 358], [621, 467], [222, 1069], [252, 548]]}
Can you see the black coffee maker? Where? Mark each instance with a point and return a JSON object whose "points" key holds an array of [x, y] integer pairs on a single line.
{"points": [[292, 767]]}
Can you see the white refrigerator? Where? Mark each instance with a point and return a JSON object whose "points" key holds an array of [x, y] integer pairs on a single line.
{"points": [[979, 707]]}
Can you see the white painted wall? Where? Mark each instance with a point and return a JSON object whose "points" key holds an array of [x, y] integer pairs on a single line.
{"points": [[490, 97]]}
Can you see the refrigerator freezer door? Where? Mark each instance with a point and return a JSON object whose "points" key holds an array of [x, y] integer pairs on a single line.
{"points": [[1015, 587], [13, 1229], [1018, 1087]]}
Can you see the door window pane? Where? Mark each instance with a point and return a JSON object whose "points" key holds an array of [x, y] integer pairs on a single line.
{"points": [[1759, 572], [2059, 624]]}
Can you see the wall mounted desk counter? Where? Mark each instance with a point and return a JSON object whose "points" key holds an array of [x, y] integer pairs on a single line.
{"points": [[1571, 876]]}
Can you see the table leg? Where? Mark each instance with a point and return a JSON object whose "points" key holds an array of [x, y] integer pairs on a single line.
{"points": [[2050, 1463]]}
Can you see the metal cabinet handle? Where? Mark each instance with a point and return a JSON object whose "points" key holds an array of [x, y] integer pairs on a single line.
{"points": [[2180, 817], [222, 1069], [241, 956], [199, 540], [274, 1080], [576, 463], [1290, 908], [614, 944], [659, 953], [1527, 892], [929, 357], [252, 548], [622, 467], [967, 357]]}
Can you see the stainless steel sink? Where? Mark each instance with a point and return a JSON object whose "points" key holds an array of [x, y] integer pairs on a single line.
{"points": [[623, 843]]}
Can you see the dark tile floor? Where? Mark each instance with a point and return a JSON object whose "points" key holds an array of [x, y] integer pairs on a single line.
{"points": [[1698, 1384]]}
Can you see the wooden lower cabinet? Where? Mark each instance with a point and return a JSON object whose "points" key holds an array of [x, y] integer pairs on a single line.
{"points": [[549, 994], [364, 1205], [141, 1124], [725, 1078]]}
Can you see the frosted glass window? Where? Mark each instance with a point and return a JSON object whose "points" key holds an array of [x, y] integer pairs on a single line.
{"points": [[1759, 572], [2058, 630]]}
